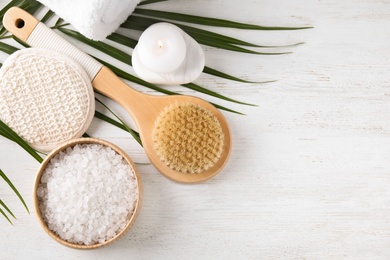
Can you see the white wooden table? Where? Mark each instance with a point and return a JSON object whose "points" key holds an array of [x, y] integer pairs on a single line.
{"points": [[309, 175]]}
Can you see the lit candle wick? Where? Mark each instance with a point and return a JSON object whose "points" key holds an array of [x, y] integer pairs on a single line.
{"points": [[160, 44]]}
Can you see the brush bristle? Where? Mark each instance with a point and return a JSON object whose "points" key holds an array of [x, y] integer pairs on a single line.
{"points": [[188, 138]]}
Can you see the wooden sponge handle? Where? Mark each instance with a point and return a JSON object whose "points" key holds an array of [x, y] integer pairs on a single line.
{"points": [[36, 34], [19, 23]]}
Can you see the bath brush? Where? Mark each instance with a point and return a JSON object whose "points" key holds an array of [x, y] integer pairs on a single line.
{"points": [[186, 138], [45, 97]]}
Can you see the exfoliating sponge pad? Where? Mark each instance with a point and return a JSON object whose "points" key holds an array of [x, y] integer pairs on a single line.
{"points": [[45, 97]]}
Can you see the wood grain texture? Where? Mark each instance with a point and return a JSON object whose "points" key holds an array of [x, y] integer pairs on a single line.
{"points": [[20, 25], [308, 176]]}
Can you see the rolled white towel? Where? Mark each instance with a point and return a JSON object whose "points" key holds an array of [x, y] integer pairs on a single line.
{"points": [[95, 19]]}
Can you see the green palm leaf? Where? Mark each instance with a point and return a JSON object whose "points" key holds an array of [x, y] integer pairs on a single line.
{"points": [[59, 22], [114, 123], [209, 21], [217, 73], [10, 134], [7, 209], [2, 174], [204, 21], [31, 6], [128, 129], [151, 2], [47, 16], [9, 49], [101, 46], [122, 39], [5, 215], [212, 93], [201, 36]]}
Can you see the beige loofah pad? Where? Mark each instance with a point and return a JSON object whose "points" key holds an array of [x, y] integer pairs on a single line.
{"points": [[45, 97]]}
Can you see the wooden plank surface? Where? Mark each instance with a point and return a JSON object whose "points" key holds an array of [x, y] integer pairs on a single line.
{"points": [[309, 175]]}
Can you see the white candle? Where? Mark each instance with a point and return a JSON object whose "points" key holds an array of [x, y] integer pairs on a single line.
{"points": [[165, 54], [162, 48]]}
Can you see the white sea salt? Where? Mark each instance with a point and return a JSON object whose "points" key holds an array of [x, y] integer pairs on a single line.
{"points": [[87, 194]]}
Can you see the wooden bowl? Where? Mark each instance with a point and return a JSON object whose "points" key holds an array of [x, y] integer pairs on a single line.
{"points": [[131, 218]]}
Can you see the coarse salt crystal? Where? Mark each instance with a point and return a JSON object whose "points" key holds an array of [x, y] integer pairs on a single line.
{"points": [[87, 194]]}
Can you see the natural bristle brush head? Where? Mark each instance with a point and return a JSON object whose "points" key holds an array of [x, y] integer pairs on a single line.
{"points": [[188, 138], [45, 97]]}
